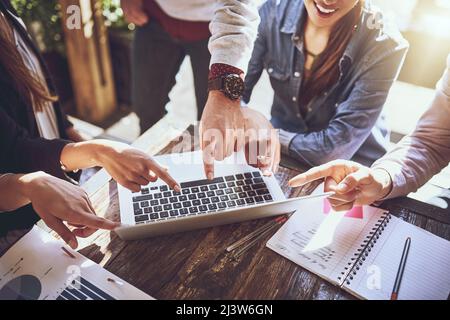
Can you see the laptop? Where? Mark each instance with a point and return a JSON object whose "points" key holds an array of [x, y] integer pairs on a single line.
{"points": [[239, 192]]}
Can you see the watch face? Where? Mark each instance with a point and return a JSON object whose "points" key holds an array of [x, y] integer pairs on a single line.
{"points": [[233, 86]]}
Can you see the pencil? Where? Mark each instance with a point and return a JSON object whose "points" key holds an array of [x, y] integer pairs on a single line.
{"points": [[250, 236], [401, 269], [68, 253], [120, 283], [256, 233], [251, 243]]}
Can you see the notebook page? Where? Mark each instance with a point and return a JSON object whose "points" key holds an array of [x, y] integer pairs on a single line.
{"points": [[376, 216], [323, 241], [427, 271]]}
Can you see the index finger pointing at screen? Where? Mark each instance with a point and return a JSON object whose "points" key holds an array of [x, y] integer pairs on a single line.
{"points": [[313, 174]]}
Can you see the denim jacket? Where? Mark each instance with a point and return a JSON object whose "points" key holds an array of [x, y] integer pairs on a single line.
{"points": [[345, 122]]}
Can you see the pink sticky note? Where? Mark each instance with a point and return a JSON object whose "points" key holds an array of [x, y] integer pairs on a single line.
{"points": [[356, 212]]}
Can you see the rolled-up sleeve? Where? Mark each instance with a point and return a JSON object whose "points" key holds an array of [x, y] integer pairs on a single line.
{"points": [[233, 32], [355, 117], [424, 153]]}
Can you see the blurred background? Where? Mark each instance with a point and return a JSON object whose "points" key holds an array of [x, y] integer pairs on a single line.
{"points": [[94, 86]]}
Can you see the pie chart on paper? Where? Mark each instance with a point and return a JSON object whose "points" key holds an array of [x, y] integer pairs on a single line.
{"points": [[26, 287]]}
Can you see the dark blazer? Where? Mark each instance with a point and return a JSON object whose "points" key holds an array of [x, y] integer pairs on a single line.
{"points": [[22, 150]]}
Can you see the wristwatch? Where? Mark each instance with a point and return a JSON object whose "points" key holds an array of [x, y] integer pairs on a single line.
{"points": [[231, 85]]}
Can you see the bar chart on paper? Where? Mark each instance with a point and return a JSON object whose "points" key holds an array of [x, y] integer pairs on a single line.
{"points": [[82, 289]]}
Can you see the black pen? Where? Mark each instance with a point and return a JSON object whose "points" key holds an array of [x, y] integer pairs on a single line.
{"points": [[401, 269]]}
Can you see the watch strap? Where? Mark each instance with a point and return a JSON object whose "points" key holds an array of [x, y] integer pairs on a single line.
{"points": [[219, 70], [215, 84]]}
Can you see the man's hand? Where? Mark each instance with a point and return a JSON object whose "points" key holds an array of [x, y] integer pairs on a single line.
{"points": [[58, 202], [352, 183], [221, 121], [133, 11], [262, 145]]}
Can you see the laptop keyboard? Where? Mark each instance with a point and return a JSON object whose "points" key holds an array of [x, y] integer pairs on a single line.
{"points": [[200, 197]]}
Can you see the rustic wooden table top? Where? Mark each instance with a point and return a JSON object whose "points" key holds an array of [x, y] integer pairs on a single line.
{"points": [[195, 265]]}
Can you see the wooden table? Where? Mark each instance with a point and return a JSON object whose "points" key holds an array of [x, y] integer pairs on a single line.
{"points": [[194, 265]]}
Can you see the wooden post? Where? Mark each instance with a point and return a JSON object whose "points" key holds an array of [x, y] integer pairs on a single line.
{"points": [[89, 59]]}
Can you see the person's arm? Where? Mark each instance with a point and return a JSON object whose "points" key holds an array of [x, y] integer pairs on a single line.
{"points": [[256, 64], [233, 32], [421, 155], [354, 118], [128, 166], [407, 167], [56, 201], [11, 196], [22, 153]]}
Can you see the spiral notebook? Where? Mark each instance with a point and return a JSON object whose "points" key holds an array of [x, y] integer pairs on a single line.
{"points": [[360, 251]]}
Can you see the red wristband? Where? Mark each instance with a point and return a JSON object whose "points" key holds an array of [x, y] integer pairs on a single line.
{"points": [[220, 69]]}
